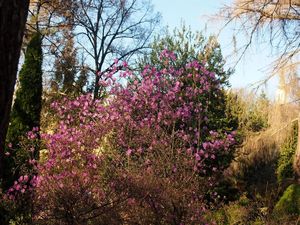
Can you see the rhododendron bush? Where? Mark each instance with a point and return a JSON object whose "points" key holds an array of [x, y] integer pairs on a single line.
{"points": [[146, 154]]}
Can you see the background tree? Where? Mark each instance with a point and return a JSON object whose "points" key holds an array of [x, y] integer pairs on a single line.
{"points": [[70, 72], [108, 30], [13, 15], [53, 21], [48, 17], [189, 46], [66, 65]]}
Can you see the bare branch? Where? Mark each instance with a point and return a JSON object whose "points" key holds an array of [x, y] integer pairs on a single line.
{"points": [[278, 19]]}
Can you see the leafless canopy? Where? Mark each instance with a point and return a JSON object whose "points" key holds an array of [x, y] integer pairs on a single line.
{"points": [[277, 21], [112, 29]]}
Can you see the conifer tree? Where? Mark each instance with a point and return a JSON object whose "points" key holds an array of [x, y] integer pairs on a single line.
{"points": [[25, 114], [26, 110]]}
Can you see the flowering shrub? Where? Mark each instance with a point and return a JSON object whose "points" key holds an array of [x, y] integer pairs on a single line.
{"points": [[72, 176], [146, 154], [167, 109], [16, 201]]}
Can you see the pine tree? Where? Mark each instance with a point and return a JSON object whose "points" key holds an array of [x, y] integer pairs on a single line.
{"points": [[189, 46]]}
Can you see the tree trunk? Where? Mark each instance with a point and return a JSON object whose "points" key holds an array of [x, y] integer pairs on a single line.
{"points": [[97, 87], [13, 15]]}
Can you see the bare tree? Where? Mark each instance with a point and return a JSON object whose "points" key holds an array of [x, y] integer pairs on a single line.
{"points": [[13, 15], [53, 21], [277, 21], [48, 16], [112, 29]]}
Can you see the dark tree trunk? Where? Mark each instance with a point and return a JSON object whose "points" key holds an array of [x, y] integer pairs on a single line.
{"points": [[13, 15], [97, 87]]}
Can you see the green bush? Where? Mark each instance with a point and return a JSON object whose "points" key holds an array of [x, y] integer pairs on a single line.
{"points": [[242, 211], [286, 157], [289, 203], [217, 217]]}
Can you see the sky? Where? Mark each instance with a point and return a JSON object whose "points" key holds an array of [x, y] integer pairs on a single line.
{"points": [[198, 14]]}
